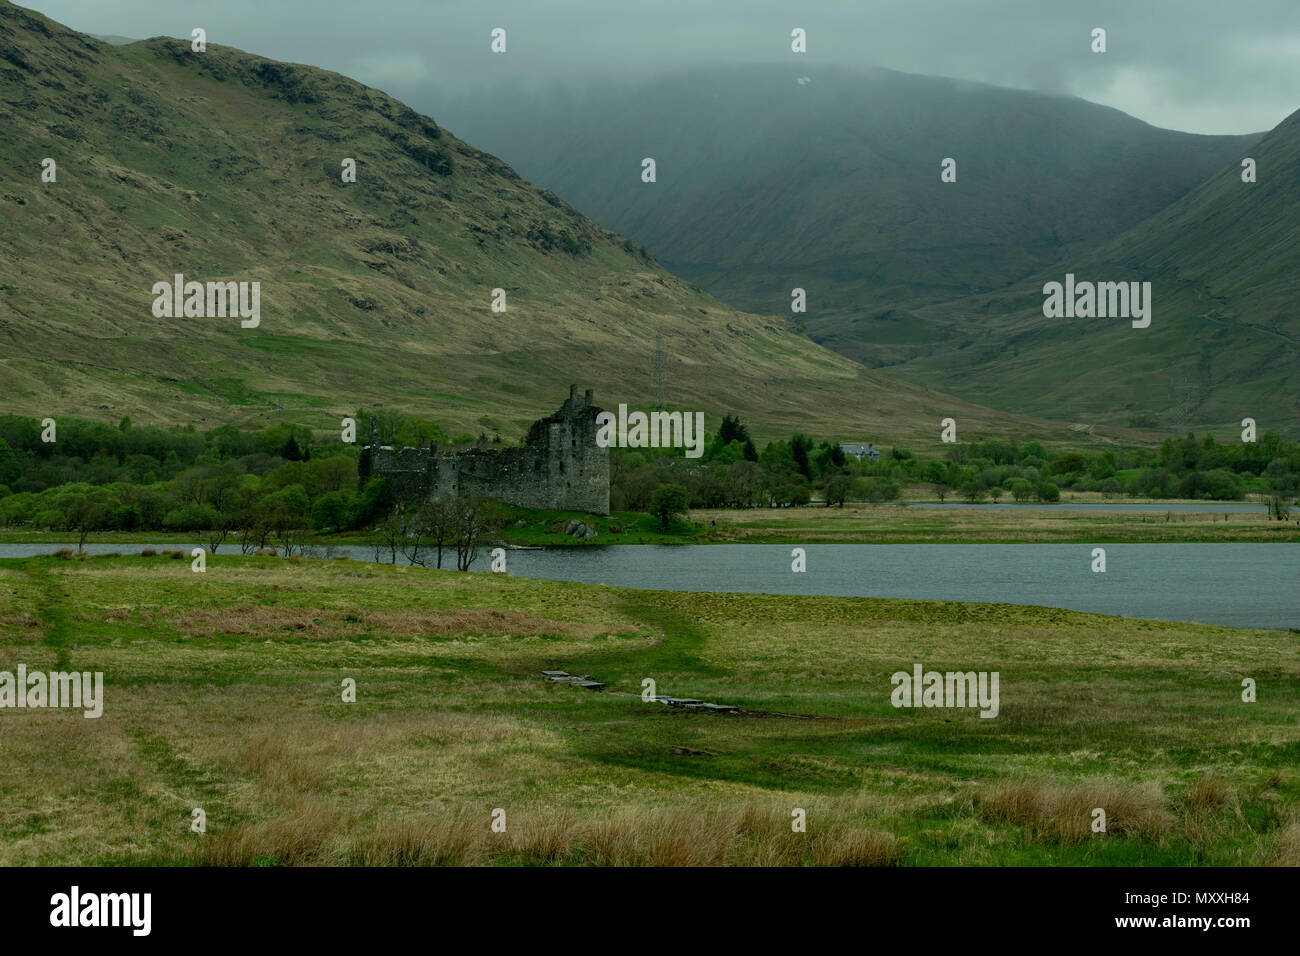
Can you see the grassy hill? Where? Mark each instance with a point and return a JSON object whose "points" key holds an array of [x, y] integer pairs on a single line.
{"points": [[452, 720], [1224, 341], [226, 166], [766, 183]]}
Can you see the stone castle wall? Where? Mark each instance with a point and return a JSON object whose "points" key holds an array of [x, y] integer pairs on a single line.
{"points": [[559, 466]]}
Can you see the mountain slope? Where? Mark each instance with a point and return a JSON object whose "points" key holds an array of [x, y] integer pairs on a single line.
{"points": [[769, 180], [1224, 340], [226, 166]]}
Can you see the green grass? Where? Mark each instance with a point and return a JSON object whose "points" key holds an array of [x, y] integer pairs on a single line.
{"points": [[223, 692]]}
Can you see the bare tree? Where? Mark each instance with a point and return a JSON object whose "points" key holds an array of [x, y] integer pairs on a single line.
{"points": [[390, 535], [474, 520], [434, 530]]}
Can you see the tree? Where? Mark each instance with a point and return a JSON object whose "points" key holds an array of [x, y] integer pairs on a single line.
{"points": [[390, 535], [220, 530], [732, 429], [126, 518], [879, 488], [667, 502], [1020, 489], [291, 451], [376, 502], [329, 512], [437, 522], [837, 489], [744, 483], [1071, 462], [474, 520], [1281, 487], [1046, 491], [428, 530], [800, 445], [83, 514]]}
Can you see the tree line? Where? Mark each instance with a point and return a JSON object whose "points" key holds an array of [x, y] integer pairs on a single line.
{"points": [[281, 485]]}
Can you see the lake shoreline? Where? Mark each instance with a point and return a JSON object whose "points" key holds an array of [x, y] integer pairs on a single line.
{"points": [[1237, 585]]}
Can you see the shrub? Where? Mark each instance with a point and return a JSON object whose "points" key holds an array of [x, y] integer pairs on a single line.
{"points": [[669, 501], [1020, 489], [1046, 491], [125, 518]]}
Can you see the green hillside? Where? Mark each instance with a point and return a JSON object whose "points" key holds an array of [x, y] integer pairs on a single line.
{"points": [[1224, 341], [226, 166], [766, 183]]}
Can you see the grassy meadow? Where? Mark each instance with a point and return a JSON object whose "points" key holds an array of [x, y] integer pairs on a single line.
{"points": [[224, 693], [916, 524]]}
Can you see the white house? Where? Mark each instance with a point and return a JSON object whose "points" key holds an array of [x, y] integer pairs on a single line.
{"points": [[862, 451]]}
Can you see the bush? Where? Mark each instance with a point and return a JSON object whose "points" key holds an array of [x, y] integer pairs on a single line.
{"points": [[329, 512], [1223, 485], [882, 489], [838, 487], [1071, 462], [125, 518], [669, 501], [1046, 491], [1020, 489], [191, 518]]}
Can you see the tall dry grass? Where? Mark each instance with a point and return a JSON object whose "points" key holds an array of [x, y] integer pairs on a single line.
{"points": [[745, 835], [1065, 814]]}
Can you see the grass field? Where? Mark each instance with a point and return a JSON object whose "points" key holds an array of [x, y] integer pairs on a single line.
{"points": [[916, 524], [224, 693]]}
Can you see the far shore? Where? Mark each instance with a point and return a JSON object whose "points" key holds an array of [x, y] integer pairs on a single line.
{"points": [[902, 522]]}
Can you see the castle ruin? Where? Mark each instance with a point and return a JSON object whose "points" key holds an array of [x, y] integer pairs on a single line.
{"points": [[559, 465]]}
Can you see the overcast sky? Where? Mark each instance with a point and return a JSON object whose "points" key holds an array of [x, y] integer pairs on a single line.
{"points": [[1205, 66]]}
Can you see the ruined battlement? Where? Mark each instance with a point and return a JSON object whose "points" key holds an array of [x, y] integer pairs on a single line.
{"points": [[559, 465]]}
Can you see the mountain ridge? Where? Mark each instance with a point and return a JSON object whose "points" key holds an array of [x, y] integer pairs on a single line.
{"points": [[833, 185], [226, 166]]}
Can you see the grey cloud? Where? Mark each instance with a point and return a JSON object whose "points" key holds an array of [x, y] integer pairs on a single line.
{"points": [[1199, 65]]}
